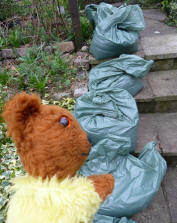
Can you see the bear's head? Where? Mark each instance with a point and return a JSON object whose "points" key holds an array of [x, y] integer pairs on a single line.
{"points": [[48, 138]]}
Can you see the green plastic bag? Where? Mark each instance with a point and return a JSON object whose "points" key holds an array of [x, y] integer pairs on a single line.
{"points": [[109, 111], [116, 29], [137, 180], [124, 72]]}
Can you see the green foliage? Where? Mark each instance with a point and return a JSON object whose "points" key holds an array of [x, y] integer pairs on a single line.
{"points": [[3, 95], [49, 16], [67, 103], [39, 67], [170, 6], [3, 42], [15, 38], [87, 29], [7, 9], [9, 168], [19, 36], [64, 3], [5, 78], [45, 22]]}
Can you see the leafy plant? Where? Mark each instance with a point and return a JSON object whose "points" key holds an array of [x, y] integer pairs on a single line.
{"points": [[39, 67], [9, 168], [38, 81], [3, 95], [170, 6], [67, 103], [15, 38], [87, 29], [3, 42], [4, 77]]}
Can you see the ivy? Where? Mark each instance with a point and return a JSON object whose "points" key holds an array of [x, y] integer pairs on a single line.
{"points": [[10, 166]]}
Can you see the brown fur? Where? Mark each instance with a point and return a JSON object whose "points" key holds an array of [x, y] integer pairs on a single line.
{"points": [[45, 146], [104, 184]]}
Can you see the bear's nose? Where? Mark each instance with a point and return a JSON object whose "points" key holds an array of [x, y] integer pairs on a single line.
{"points": [[89, 139]]}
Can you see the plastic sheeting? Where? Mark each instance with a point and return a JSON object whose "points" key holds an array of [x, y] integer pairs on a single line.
{"points": [[137, 180], [125, 72], [109, 111], [109, 115], [116, 29]]}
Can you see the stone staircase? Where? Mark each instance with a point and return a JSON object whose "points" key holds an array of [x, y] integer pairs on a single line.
{"points": [[157, 105], [157, 102]]}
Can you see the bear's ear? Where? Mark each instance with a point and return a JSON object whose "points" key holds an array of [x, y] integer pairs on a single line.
{"points": [[19, 109]]}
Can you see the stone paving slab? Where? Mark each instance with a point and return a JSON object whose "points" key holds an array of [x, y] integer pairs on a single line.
{"points": [[154, 14], [146, 93], [169, 187], [160, 47], [157, 212], [167, 132], [158, 40], [159, 93], [161, 128], [163, 84], [155, 24], [147, 131]]}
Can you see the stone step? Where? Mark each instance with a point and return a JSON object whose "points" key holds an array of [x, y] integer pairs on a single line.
{"points": [[163, 207], [159, 93], [157, 212], [160, 127], [157, 42], [161, 49]]}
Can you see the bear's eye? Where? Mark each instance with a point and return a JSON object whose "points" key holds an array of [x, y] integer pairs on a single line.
{"points": [[65, 121]]}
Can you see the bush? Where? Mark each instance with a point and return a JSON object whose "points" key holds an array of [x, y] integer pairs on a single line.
{"points": [[170, 6]]}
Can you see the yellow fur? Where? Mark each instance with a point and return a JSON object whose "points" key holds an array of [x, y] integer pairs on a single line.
{"points": [[72, 200]]}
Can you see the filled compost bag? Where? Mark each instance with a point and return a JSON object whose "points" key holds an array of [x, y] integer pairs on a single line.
{"points": [[137, 180], [116, 29], [109, 111], [125, 72]]}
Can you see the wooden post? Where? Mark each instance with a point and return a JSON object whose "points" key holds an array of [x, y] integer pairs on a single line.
{"points": [[74, 10]]}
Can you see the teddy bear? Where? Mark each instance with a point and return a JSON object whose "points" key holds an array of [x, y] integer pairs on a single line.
{"points": [[52, 147]]}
